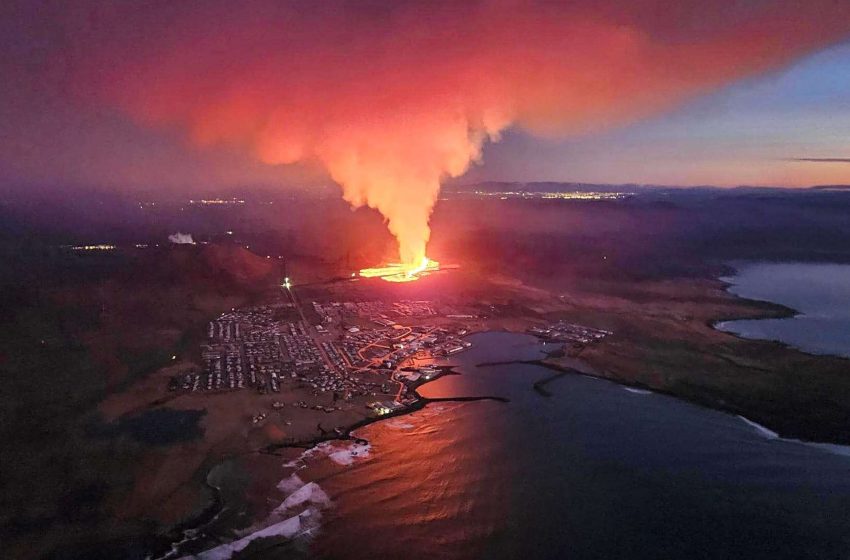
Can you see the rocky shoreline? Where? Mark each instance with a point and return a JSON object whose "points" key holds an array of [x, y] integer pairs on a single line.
{"points": [[170, 544]]}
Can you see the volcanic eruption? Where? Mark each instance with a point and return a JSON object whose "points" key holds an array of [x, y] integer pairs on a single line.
{"points": [[391, 99], [401, 272]]}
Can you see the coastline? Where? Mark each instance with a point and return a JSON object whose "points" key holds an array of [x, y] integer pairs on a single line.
{"points": [[169, 545], [783, 311], [746, 415], [678, 351], [642, 388], [347, 433], [420, 403], [758, 308], [779, 311]]}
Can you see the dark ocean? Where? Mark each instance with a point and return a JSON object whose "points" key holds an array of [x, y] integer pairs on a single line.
{"points": [[819, 292], [594, 471]]}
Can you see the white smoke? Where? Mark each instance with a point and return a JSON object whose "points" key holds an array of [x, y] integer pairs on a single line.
{"points": [[182, 238]]}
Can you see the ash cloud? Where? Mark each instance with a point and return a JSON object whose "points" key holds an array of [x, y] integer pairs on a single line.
{"points": [[392, 98]]}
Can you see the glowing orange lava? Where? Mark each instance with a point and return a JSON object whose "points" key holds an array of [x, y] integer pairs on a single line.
{"points": [[398, 272]]}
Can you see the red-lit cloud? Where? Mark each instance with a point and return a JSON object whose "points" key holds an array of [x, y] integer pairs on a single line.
{"points": [[391, 98]]}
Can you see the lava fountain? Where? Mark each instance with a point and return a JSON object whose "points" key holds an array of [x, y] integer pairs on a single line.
{"points": [[398, 272]]}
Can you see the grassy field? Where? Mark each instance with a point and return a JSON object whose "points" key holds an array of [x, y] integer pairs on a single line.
{"points": [[664, 340]]}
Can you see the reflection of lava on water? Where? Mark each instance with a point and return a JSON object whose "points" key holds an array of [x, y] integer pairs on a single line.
{"points": [[396, 272]]}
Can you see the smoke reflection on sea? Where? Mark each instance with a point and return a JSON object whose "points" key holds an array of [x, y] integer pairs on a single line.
{"points": [[435, 479]]}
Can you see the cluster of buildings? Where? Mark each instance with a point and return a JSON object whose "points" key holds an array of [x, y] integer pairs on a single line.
{"points": [[345, 385], [392, 347], [358, 350], [243, 349], [378, 311], [384, 407], [299, 346], [385, 342], [414, 375], [352, 344], [569, 332], [254, 348]]}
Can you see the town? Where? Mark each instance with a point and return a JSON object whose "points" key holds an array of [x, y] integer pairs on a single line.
{"points": [[351, 351]]}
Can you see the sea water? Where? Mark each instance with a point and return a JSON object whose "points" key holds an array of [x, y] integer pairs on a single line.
{"points": [[591, 472], [819, 293]]}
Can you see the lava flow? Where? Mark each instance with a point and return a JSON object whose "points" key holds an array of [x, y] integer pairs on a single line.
{"points": [[397, 272]]}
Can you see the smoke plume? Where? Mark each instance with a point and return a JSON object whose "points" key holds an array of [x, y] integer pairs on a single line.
{"points": [[392, 98], [181, 238]]}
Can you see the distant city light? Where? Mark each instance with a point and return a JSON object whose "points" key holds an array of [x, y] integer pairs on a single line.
{"points": [[101, 247], [208, 201], [562, 195]]}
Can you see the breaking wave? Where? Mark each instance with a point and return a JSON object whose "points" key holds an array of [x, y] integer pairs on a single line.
{"points": [[637, 391], [769, 434], [303, 523], [834, 448], [299, 515]]}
